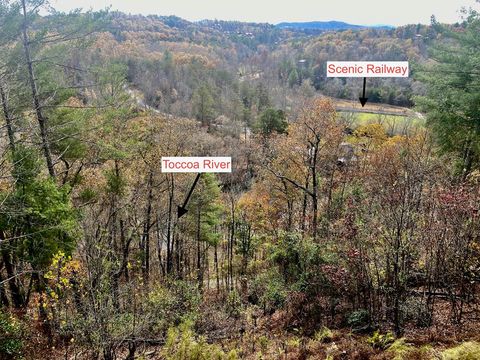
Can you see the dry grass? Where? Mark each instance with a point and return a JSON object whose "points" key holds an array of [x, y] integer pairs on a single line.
{"points": [[351, 105]]}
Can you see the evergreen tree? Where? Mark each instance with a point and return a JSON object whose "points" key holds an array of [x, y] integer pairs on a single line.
{"points": [[452, 102], [263, 99], [203, 105], [204, 217], [272, 120], [293, 78], [37, 221]]}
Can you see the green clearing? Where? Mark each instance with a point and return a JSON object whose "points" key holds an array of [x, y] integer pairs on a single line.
{"points": [[394, 124]]}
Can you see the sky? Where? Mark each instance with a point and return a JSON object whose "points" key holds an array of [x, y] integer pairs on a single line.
{"points": [[362, 12]]}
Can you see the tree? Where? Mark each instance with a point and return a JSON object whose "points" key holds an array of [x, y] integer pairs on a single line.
{"points": [[398, 179], [203, 105], [37, 221], [308, 153], [33, 83], [293, 78], [37, 216], [45, 54], [263, 98], [9, 20], [203, 217], [272, 120], [452, 101]]}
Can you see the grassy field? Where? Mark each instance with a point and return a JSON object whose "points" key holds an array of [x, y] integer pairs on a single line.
{"points": [[394, 124], [395, 119], [354, 105]]}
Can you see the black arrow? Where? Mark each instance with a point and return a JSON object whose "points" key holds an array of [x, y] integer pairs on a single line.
{"points": [[182, 210], [363, 99]]}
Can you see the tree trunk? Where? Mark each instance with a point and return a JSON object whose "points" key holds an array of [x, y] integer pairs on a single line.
{"points": [[215, 259], [199, 255], [3, 294], [314, 194], [146, 230], [169, 228], [232, 240], [8, 118], [305, 203], [15, 289], [35, 96]]}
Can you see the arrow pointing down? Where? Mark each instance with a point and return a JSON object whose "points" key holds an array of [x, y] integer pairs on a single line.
{"points": [[182, 210], [363, 99]]}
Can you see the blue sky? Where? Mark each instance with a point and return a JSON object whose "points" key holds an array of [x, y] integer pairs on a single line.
{"points": [[364, 12]]}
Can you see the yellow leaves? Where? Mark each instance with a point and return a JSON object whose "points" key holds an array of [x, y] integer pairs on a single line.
{"points": [[58, 276], [74, 102], [57, 257], [474, 177], [318, 118], [396, 140], [317, 126], [74, 265], [475, 246], [259, 208], [375, 133], [253, 199], [48, 275]]}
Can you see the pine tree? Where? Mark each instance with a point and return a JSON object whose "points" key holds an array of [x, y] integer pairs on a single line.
{"points": [[203, 105], [452, 102], [204, 216]]}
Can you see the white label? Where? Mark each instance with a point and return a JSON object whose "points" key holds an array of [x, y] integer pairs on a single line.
{"points": [[174, 164], [367, 68]]}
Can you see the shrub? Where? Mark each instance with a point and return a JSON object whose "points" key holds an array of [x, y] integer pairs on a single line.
{"points": [[358, 319], [269, 290], [400, 350], [173, 305], [324, 334], [415, 309], [263, 342], [467, 351], [87, 195], [183, 343], [233, 304], [381, 341], [294, 342], [11, 332]]}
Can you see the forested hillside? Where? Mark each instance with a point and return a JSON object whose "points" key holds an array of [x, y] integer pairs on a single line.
{"points": [[171, 61], [341, 233]]}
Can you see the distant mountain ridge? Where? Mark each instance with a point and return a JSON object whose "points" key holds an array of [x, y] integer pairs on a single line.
{"points": [[326, 26]]}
